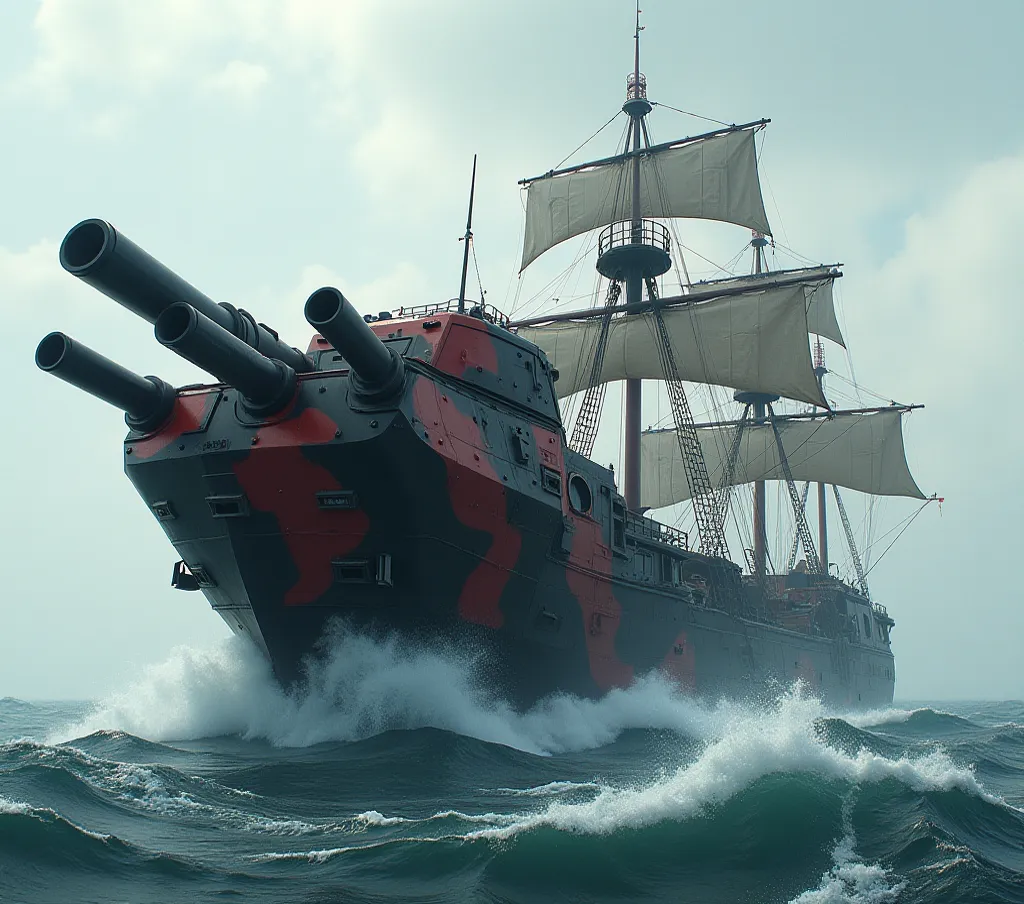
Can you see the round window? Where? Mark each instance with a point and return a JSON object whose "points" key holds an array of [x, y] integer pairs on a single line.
{"points": [[580, 497]]}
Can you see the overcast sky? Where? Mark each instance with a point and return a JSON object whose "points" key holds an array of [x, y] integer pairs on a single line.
{"points": [[263, 148]]}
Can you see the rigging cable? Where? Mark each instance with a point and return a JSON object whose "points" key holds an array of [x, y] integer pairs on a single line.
{"points": [[590, 139], [767, 182], [900, 534], [717, 122], [476, 266]]}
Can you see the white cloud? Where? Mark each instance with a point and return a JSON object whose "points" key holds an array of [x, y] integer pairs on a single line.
{"points": [[403, 161], [944, 318], [239, 80], [134, 47], [954, 287]]}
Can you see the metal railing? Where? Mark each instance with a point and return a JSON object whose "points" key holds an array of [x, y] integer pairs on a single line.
{"points": [[483, 311], [639, 526], [647, 232], [636, 89]]}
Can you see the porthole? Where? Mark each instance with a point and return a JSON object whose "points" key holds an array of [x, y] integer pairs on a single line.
{"points": [[580, 497]]}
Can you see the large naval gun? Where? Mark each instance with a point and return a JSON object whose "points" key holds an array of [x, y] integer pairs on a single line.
{"points": [[409, 471], [405, 472]]}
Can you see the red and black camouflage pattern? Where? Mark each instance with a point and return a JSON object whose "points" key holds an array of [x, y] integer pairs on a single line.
{"points": [[455, 510]]}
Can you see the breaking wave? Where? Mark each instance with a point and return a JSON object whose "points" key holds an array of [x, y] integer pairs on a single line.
{"points": [[365, 687], [393, 759]]}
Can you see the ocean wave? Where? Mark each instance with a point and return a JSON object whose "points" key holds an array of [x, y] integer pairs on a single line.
{"points": [[43, 846], [21, 824], [851, 880], [325, 854], [757, 744], [872, 718], [158, 789], [549, 789], [365, 687], [14, 704]]}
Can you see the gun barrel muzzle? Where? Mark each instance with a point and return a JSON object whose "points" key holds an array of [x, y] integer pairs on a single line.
{"points": [[267, 385], [378, 370], [107, 260], [146, 401]]}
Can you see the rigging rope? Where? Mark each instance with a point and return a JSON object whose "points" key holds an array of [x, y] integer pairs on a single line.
{"points": [[717, 122], [584, 431], [476, 266], [590, 139], [900, 534]]}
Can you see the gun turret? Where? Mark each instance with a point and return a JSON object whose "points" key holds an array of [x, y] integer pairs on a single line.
{"points": [[146, 401], [376, 371], [267, 385], [99, 255]]}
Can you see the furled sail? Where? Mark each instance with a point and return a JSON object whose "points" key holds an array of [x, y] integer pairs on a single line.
{"points": [[712, 178], [861, 451], [821, 312], [755, 341]]}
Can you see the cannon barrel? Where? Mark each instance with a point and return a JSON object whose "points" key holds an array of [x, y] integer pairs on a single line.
{"points": [[377, 369], [99, 255], [267, 385], [146, 401]]}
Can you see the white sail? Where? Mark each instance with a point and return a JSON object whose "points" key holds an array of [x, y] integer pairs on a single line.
{"points": [[863, 452], [711, 178], [756, 341], [821, 312]]}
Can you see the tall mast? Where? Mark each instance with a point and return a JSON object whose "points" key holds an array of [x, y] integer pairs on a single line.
{"points": [[819, 371], [759, 401], [467, 239], [636, 107]]}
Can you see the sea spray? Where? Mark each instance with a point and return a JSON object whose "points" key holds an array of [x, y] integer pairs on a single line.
{"points": [[365, 686], [748, 745], [851, 880], [723, 801]]}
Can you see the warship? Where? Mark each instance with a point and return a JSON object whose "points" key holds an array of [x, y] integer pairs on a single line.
{"points": [[414, 471]]}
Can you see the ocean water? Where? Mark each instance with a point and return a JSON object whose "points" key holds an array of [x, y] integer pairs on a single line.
{"points": [[394, 776]]}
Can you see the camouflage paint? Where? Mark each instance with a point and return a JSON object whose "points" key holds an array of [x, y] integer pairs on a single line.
{"points": [[450, 487], [278, 478]]}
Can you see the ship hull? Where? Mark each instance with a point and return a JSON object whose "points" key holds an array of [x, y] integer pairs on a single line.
{"points": [[713, 654], [454, 512]]}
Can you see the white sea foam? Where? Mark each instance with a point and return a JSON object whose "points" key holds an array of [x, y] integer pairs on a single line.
{"points": [[754, 744], [851, 880], [550, 789], [365, 687], [373, 818], [326, 854], [10, 807], [141, 786], [874, 717]]}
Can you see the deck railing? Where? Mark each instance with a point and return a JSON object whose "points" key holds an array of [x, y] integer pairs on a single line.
{"points": [[650, 529], [484, 311], [646, 232]]}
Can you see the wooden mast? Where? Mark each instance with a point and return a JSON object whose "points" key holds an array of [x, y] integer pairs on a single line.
{"points": [[634, 286]]}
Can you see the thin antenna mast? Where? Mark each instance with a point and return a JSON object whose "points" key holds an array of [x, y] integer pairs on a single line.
{"points": [[467, 238]]}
